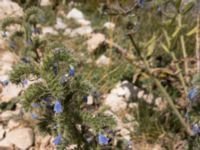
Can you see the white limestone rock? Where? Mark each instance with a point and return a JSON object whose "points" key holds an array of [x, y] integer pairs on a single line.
{"points": [[90, 100], [60, 25], [12, 124], [49, 30], [85, 30], [2, 132], [115, 102], [22, 138], [45, 3], [94, 42], [75, 14], [103, 61], [7, 115], [10, 91], [83, 22], [9, 8]]}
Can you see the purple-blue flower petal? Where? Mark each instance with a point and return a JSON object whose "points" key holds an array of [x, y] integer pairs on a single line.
{"points": [[103, 140], [35, 105], [25, 82], [57, 140], [71, 71], [58, 107], [195, 129], [192, 93], [34, 116]]}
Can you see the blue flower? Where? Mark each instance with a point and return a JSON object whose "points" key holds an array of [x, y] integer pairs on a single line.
{"points": [[141, 2], [192, 93], [25, 82], [57, 140], [34, 116], [195, 129], [58, 107], [5, 82], [35, 105], [103, 140], [71, 71]]}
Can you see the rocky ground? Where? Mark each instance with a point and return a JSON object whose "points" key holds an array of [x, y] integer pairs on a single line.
{"points": [[15, 131]]}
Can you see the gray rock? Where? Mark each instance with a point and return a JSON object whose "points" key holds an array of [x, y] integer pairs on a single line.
{"points": [[9, 8], [45, 142], [10, 91], [90, 100], [22, 138], [7, 115], [12, 124], [103, 61], [115, 102], [2, 131], [60, 25], [95, 41], [75, 14], [85, 30], [49, 30], [45, 2]]}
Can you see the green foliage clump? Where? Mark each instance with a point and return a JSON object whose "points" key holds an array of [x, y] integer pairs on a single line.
{"points": [[54, 82]]}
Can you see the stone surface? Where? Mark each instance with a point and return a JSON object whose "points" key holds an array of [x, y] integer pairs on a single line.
{"points": [[115, 102], [1, 88], [45, 2], [60, 24], [83, 22], [123, 91], [140, 94], [49, 30], [22, 138], [75, 14], [7, 115], [95, 41], [103, 61], [67, 32], [12, 124], [2, 132], [7, 59], [45, 142], [10, 91], [90, 100], [9, 8], [85, 30]]}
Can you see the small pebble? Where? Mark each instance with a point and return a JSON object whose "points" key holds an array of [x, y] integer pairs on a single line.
{"points": [[90, 100]]}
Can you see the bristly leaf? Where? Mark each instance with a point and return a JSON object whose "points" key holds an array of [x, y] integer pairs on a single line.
{"points": [[22, 71]]}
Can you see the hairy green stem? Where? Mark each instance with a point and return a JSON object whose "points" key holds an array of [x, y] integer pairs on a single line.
{"points": [[180, 75], [183, 45], [163, 90], [198, 46]]}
